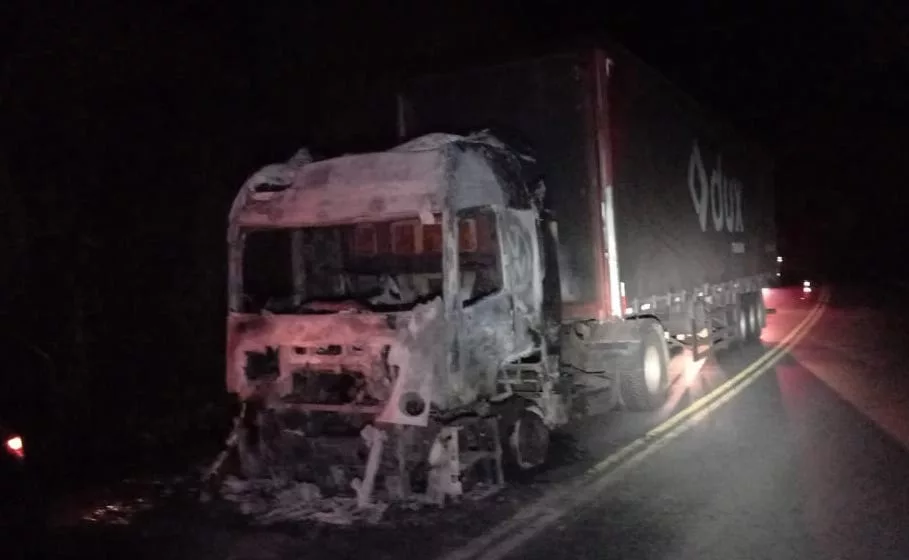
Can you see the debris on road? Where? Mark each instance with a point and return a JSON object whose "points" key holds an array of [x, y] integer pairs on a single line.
{"points": [[269, 501]]}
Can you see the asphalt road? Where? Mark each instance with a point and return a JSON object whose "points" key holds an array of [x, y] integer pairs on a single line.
{"points": [[809, 461], [806, 460]]}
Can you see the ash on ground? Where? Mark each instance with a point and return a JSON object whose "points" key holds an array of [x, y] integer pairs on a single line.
{"points": [[271, 500]]}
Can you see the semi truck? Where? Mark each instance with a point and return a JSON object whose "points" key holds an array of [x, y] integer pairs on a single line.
{"points": [[417, 321]]}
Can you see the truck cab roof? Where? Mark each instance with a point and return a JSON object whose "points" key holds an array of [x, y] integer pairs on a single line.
{"points": [[417, 178]]}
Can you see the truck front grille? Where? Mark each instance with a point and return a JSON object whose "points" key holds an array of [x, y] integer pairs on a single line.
{"points": [[314, 386]]}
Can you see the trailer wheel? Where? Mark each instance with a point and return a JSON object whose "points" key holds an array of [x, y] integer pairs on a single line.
{"points": [[762, 310], [740, 314], [643, 383], [754, 321]]}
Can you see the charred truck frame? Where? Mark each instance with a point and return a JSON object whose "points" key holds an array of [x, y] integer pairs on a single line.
{"points": [[407, 321]]}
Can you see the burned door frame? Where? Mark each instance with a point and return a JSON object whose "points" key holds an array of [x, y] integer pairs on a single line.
{"points": [[495, 330]]}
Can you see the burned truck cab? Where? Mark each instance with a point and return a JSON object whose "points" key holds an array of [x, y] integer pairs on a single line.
{"points": [[378, 298]]}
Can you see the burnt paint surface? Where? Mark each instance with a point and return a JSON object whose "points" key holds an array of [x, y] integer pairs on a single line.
{"points": [[255, 333], [447, 354]]}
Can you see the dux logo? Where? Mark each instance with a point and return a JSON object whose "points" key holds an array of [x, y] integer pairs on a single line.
{"points": [[715, 195]]}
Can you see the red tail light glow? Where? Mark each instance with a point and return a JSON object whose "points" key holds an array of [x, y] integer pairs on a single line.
{"points": [[15, 446]]}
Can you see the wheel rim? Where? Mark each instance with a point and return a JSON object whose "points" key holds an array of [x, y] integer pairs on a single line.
{"points": [[743, 324], [529, 442], [653, 369]]}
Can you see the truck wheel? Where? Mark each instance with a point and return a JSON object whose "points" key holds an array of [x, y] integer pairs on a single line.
{"points": [[262, 446], [249, 459], [745, 320], [528, 441], [762, 310], [754, 321], [643, 383], [740, 314]]}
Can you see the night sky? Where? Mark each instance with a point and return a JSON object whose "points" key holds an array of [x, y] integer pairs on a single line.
{"points": [[127, 131]]}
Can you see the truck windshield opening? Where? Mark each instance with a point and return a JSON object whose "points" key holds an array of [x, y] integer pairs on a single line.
{"points": [[377, 266]]}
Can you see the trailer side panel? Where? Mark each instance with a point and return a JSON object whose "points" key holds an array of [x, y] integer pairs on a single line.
{"points": [[694, 203]]}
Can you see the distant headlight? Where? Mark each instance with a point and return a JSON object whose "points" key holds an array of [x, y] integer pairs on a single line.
{"points": [[806, 284]]}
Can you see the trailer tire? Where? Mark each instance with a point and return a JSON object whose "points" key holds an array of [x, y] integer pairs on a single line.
{"points": [[762, 311], [740, 319], [644, 381], [754, 321]]}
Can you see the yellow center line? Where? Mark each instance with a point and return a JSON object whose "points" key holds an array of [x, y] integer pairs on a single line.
{"points": [[512, 533], [705, 401]]}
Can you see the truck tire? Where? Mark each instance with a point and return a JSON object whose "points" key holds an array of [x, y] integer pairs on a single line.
{"points": [[644, 380], [754, 321], [527, 443], [762, 310], [264, 449], [740, 319]]}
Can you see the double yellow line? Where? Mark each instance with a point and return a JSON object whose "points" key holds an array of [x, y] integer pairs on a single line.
{"points": [[508, 536], [695, 412]]}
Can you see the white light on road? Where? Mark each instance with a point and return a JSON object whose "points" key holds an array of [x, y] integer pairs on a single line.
{"points": [[779, 259], [15, 446]]}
